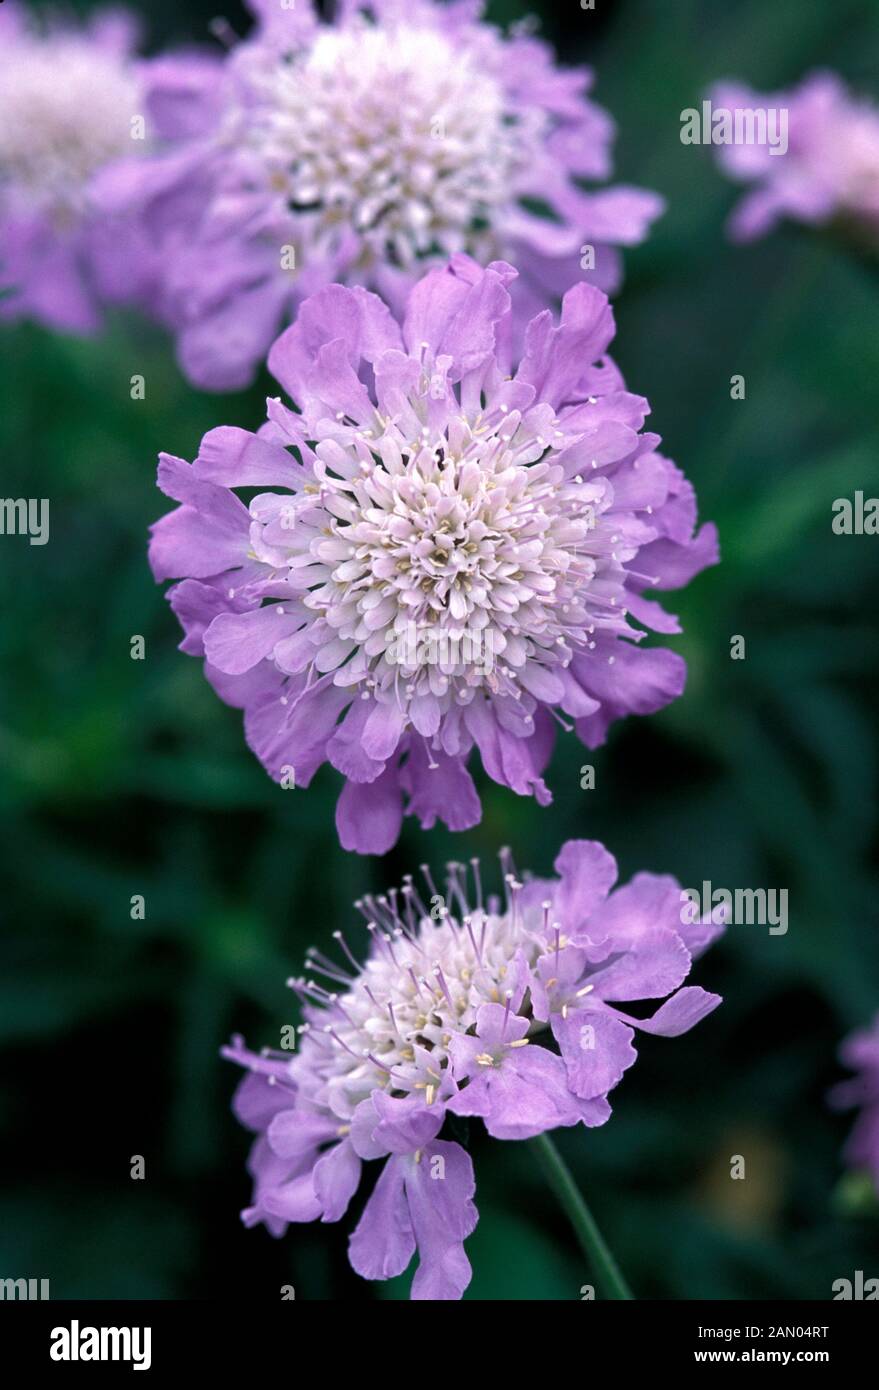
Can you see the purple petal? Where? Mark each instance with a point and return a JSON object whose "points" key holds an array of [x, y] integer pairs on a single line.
{"points": [[587, 872], [357, 318], [295, 1200], [526, 1094], [238, 458], [440, 1188], [382, 730], [405, 1124], [336, 1179], [296, 1132], [369, 818], [650, 969], [678, 1014], [383, 1242], [456, 311], [220, 351], [439, 789], [597, 1049], [235, 642], [555, 358]]}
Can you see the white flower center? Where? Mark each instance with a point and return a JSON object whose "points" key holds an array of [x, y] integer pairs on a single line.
{"points": [[437, 564], [394, 133], [66, 108], [424, 982]]}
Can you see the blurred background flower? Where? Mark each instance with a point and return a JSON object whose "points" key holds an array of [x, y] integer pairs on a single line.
{"points": [[60, 260], [825, 164], [125, 777], [860, 1052], [337, 146]]}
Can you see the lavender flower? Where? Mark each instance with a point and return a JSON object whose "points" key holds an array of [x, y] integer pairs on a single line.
{"points": [[68, 98], [507, 1011], [363, 152], [860, 1052], [422, 496], [830, 171]]}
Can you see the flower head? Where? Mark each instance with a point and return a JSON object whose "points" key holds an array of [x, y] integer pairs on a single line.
{"points": [[68, 98], [829, 170], [860, 1052], [438, 556], [364, 151], [507, 1009]]}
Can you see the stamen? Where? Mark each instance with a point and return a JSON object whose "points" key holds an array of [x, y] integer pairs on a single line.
{"points": [[468, 923], [331, 1032], [508, 998], [418, 985], [428, 878], [377, 1063], [337, 936], [409, 887], [331, 971], [477, 878], [444, 987]]}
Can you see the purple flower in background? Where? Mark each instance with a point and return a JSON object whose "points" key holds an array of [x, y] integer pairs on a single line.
{"points": [[70, 101], [506, 1010], [438, 555], [829, 171], [860, 1052], [362, 152]]}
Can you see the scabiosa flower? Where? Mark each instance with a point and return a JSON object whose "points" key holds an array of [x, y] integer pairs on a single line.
{"points": [[506, 1010], [362, 151], [68, 98], [830, 170], [422, 493], [860, 1052]]}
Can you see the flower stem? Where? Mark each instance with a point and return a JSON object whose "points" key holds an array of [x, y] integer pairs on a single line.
{"points": [[591, 1240]]}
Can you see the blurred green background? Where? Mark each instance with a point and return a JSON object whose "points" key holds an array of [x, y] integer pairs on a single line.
{"points": [[124, 777]]}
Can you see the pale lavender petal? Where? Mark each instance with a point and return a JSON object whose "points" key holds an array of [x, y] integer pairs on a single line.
{"points": [[384, 1241]]}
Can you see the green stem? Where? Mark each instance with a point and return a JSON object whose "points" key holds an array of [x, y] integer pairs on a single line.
{"points": [[594, 1246]]}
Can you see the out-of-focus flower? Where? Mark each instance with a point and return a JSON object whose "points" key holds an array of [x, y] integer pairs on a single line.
{"points": [[506, 1010], [860, 1052], [829, 171], [71, 100], [361, 152], [437, 555]]}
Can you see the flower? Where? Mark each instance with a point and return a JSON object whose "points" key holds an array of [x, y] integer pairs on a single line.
{"points": [[860, 1052], [829, 170], [420, 501], [363, 151], [68, 101], [506, 1010]]}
